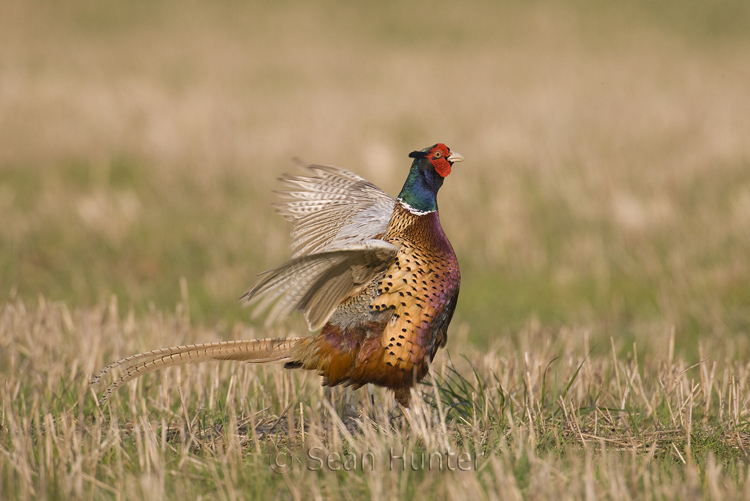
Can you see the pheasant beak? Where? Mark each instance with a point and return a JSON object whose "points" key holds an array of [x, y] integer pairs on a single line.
{"points": [[455, 157]]}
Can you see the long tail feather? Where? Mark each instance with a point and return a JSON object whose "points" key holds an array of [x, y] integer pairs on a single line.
{"points": [[248, 350]]}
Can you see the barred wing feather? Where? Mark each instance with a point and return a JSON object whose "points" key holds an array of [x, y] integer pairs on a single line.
{"points": [[316, 284], [332, 208]]}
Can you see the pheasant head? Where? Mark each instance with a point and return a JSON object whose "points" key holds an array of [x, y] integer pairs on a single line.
{"points": [[430, 166]]}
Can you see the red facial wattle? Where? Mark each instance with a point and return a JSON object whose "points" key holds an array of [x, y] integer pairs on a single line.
{"points": [[442, 166], [439, 158]]}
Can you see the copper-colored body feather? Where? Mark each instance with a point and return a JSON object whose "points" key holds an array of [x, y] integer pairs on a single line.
{"points": [[378, 275]]}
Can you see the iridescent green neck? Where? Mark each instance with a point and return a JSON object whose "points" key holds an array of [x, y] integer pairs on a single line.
{"points": [[421, 187]]}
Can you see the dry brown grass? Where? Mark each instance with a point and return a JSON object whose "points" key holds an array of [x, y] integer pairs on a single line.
{"points": [[542, 423]]}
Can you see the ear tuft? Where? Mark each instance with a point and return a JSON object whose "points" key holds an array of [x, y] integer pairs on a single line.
{"points": [[418, 154]]}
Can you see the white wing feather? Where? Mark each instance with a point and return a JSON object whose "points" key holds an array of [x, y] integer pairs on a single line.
{"points": [[338, 219], [332, 208], [316, 284]]}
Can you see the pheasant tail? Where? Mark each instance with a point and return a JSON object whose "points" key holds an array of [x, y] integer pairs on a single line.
{"points": [[247, 350]]}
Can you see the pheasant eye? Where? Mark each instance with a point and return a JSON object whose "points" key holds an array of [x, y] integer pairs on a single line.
{"points": [[437, 154]]}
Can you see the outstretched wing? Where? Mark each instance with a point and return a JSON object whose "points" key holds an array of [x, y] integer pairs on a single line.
{"points": [[316, 284], [332, 208]]}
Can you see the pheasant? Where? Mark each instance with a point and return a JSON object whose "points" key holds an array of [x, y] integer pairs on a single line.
{"points": [[378, 276]]}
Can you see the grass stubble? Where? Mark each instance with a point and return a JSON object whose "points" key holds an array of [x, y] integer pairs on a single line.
{"points": [[600, 347], [536, 416]]}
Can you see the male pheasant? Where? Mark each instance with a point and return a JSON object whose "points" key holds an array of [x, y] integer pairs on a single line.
{"points": [[377, 274]]}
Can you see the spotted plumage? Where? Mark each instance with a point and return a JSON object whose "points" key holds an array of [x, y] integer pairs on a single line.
{"points": [[377, 275]]}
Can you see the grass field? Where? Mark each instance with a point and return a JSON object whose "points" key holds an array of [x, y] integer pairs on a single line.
{"points": [[601, 220]]}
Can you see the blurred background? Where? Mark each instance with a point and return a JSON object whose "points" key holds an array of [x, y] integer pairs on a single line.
{"points": [[606, 182]]}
